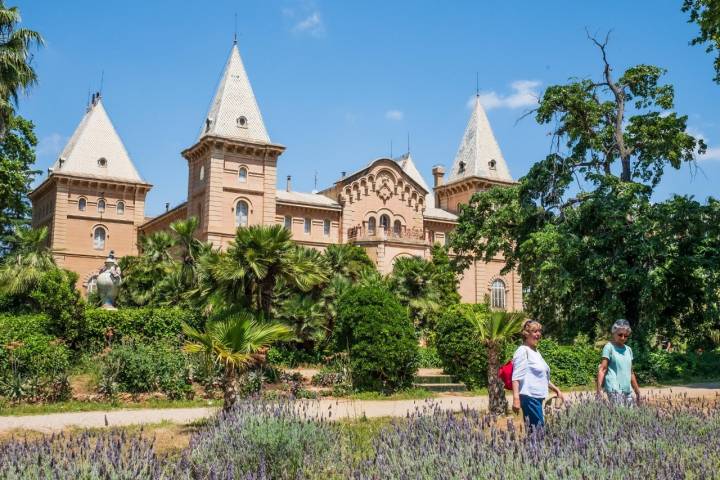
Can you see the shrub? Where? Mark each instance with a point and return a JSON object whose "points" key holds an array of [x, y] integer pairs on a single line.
{"points": [[56, 296], [144, 368], [461, 356], [570, 365], [380, 337], [428, 357], [662, 365], [33, 364], [145, 324], [291, 355]]}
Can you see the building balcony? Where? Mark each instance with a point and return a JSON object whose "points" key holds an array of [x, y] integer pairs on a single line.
{"points": [[364, 234]]}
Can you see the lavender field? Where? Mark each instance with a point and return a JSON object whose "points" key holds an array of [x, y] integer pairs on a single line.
{"points": [[670, 439]]}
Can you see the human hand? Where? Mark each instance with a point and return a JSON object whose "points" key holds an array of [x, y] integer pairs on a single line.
{"points": [[638, 398], [516, 405]]}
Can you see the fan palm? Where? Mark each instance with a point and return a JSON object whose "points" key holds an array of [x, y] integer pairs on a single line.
{"points": [[348, 261], [235, 342], [413, 281], [27, 262], [189, 249], [16, 71], [306, 317], [157, 246], [493, 329]]}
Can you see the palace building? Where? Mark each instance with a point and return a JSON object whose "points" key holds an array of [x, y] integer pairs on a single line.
{"points": [[93, 199]]}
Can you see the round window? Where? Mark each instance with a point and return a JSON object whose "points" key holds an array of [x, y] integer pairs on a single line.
{"points": [[102, 162], [242, 122]]}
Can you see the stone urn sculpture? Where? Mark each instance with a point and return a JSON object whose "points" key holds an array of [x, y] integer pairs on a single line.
{"points": [[108, 282]]}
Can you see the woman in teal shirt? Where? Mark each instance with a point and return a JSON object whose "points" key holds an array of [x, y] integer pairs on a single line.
{"points": [[615, 374]]}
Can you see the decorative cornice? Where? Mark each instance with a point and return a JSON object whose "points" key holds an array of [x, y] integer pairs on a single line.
{"points": [[209, 143]]}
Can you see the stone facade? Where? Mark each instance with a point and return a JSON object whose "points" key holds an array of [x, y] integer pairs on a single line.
{"points": [[385, 207]]}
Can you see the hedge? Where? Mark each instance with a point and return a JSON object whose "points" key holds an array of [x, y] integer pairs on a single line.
{"points": [[375, 328], [662, 365], [102, 327]]}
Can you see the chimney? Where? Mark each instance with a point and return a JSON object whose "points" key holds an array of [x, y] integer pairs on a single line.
{"points": [[167, 206], [342, 174], [438, 173], [289, 183]]}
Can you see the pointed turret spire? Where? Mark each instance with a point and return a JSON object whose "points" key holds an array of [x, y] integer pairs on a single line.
{"points": [[234, 112], [95, 148], [479, 154]]}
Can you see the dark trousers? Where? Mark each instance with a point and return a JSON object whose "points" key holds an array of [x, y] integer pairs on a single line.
{"points": [[532, 411]]}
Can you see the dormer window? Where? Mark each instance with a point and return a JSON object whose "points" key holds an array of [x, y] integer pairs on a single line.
{"points": [[461, 167], [102, 162], [492, 163], [242, 122]]}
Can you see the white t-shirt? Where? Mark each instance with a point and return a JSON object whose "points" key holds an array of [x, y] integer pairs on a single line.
{"points": [[531, 371]]}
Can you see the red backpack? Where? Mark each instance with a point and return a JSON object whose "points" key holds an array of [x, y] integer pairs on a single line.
{"points": [[505, 373]]}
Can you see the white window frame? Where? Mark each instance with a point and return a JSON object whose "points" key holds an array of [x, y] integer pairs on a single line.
{"points": [[307, 227], [238, 211], [120, 208], [82, 204], [96, 237], [498, 294], [101, 206], [287, 222], [327, 225], [242, 175]]}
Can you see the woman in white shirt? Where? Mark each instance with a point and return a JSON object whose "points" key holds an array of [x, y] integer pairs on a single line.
{"points": [[531, 376]]}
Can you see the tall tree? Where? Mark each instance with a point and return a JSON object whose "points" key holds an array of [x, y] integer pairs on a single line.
{"points": [[706, 14], [29, 260], [577, 225], [16, 71], [17, 155]]}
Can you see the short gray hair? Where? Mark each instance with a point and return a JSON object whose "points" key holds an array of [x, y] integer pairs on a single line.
{"points": [[621, 324]]}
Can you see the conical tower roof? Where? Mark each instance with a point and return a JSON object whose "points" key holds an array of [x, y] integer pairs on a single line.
{"points": [[479, 154], [95, 149], [234, 112]]}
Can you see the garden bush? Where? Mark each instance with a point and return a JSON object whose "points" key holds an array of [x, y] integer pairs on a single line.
{"points": [[570, 365], [374, 328], [662, 365], [462, 356], [102, 327], [143, 368], [33, 364], [428, 357]]}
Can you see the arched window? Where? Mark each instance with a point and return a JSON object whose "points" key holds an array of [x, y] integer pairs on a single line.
{"points": [[371, 225], [120, 208], [385, 222], [202, 172], [397, 228], [497, 294], [99, 238], [101, 206], [82, 204], [242, 175], [326, 227], [308, 226], [288, 222], [241, 214]]}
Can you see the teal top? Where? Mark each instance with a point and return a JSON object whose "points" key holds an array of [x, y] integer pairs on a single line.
{"points": [[617, 378]]}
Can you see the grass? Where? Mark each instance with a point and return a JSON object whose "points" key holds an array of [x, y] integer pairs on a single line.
{"points": [[409, 394], [77, 406]]}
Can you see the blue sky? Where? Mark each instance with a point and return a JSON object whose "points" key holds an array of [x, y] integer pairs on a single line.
{"points": [[338, 81]]}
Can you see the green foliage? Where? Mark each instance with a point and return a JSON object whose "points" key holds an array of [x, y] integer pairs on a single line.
{"points": [[56, 296], [348, 261], [428, 357], [142, 368], [570, 365], [662, 366], [706, 14], [292, 355], [462, 355], [425, 287], [581, 229], [33, 364], [147, 324], [373, 327], [17, 156]]}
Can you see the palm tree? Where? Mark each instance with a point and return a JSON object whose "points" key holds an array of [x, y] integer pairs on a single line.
{"points": [[413, 281], [246, 276], [493, 329], [306, 317], [189, 249], [347, 260], [157, 247], [29, 259], [235, 342], [16, 71]]}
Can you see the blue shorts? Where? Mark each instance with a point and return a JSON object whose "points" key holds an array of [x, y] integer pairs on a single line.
{"points": [[532, 411]]}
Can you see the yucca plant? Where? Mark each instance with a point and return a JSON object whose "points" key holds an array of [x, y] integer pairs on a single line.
{"points": [[493, 329], [235, 342]]}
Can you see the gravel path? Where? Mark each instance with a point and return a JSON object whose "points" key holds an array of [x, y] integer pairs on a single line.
{"points": [[334, 408]]}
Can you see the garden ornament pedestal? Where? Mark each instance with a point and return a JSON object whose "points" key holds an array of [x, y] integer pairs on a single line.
{"points": [[108, 282]]}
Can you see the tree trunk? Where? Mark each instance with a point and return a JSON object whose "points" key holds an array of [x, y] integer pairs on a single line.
{"points": [[496, 392], [230, 391]]}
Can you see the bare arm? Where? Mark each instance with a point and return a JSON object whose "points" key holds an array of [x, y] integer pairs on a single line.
{"points": [[602, 371], [516, 396], [556, 390], [635, 386]]}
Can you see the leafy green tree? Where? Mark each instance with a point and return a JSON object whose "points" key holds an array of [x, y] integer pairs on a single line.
{"points": [[706, 14], [494, 330], [580, 226], [29, 259], [246, 276], [17, 155], [16, 71], [348, 261], [235, 342]]}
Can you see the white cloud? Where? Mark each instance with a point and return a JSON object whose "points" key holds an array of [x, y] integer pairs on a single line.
{"points": [[312, 25], [395, 115], [712, 153], [50, 145], [525, 94]]}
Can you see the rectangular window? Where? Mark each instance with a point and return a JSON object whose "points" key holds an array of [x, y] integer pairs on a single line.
{"points": [[308, 225], [288, 222], [326, 228]]}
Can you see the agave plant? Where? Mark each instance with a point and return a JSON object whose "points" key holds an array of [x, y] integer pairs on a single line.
{"points": [[235, 342]]}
